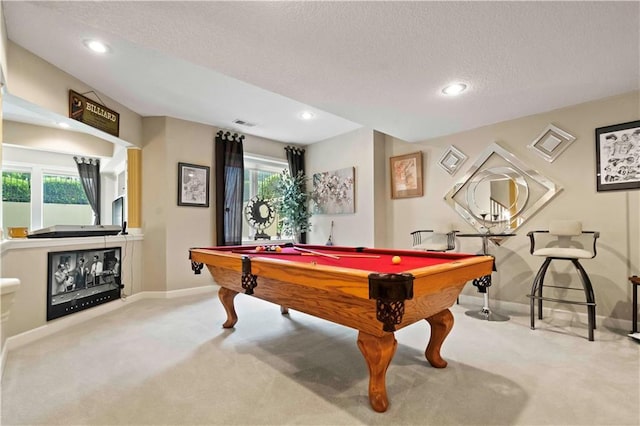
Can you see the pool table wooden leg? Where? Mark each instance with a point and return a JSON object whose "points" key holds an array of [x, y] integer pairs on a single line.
{"points": [[226, 296], [378, 352], [441, 324]]}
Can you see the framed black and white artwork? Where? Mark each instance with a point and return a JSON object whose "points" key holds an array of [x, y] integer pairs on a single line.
{"points": [[618, 157], [193, 185]]}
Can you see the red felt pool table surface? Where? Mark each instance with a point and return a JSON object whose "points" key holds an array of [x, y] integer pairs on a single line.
{"points": [[357, 287], [364, 259]]}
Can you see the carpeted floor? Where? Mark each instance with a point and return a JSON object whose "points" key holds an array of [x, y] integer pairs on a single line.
{"points": [[169, 362]]}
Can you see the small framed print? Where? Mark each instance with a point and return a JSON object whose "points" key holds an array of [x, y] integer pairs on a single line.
{"points": [[551, 142], [406, 175], [452, 159], [193, 185], [618, 157]]}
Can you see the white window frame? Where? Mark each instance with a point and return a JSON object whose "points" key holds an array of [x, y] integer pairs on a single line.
{"points": [[37, 185], [262, 163]]}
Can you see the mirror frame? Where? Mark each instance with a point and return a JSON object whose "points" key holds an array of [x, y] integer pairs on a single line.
{"points": [[505, 172], [558, 140], [459, 202], [452, 160]]}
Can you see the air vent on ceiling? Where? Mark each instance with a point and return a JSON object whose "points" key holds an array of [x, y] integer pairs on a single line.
{"points": [[243, 123]]}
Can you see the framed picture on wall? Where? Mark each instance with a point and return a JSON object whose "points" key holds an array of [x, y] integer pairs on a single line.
{"points": [[193, 185], [406, 175], [618, 156], [334, 191]]}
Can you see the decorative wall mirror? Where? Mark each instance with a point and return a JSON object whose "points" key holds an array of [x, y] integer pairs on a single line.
{"points": [[499, 193], [551, 142], [452, 160]]}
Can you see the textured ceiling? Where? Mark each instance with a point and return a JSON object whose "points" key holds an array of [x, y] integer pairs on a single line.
{"points": [[375, 64]]}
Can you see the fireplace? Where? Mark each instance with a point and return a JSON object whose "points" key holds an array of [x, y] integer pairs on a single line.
{"points": [[82, 279]]}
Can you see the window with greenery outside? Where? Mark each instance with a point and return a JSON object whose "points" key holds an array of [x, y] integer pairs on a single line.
{"points": [[16, 187], [63, 200], [63, 190]]}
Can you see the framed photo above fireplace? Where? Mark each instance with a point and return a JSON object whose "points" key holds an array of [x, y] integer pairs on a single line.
{"points": [[81, 279]]}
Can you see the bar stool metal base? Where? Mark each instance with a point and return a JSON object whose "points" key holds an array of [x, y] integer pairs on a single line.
{"points": [[487, 315], [635, 282], [538, 285]]}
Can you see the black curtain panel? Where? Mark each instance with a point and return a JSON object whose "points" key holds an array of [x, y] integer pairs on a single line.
{"points": [[229, 188], [89, 171], [295, 158]]}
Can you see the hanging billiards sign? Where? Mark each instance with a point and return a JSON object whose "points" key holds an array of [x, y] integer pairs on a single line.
{"points": [[93, 114]]}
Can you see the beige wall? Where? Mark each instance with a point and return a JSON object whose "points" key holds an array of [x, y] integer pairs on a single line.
{"points": [[38, 82], [57, 140], [171, 230], [382, 238], [156, 186], [3, 44], [187, 227], [613, 213], [354, 149]]}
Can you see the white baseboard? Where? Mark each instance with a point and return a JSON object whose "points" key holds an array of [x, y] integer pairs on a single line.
{"points": [[63, 323]]}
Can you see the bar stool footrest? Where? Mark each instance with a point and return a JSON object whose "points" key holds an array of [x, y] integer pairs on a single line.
{"points": [[551, 299]]}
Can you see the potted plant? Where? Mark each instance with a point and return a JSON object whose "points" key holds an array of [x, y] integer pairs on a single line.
{"points": [[293, 206]]}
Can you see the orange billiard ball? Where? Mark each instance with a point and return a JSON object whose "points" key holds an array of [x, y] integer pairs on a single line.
{"points": [[396, 260], [278, 249]]}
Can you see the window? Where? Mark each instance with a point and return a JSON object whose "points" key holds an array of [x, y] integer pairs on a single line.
{"points": [[260, 178], [36, 198], [65, 202], [16, 199]]}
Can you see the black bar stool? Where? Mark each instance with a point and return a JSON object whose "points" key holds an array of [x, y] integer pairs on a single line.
{"points": [[564, 248], [635, 283]]}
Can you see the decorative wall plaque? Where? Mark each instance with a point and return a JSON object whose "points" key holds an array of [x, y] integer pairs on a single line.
{"points": [[93, 114]]}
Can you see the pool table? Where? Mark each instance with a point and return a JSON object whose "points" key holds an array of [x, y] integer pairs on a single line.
{"points": [[357, 287]]}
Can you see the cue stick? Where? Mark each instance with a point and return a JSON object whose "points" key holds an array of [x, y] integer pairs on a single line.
{"points": [[330, 240], [316, 253], [368, 256], [265, 252]]}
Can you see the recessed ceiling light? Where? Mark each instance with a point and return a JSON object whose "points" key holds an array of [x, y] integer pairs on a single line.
{"points": [[63, 125], [96, 46], [454, 89], [307, 115]]}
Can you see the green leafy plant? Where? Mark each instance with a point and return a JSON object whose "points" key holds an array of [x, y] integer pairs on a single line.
{"points": [[293, 204], [16, 187], [63, 190], [269, 187]]}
